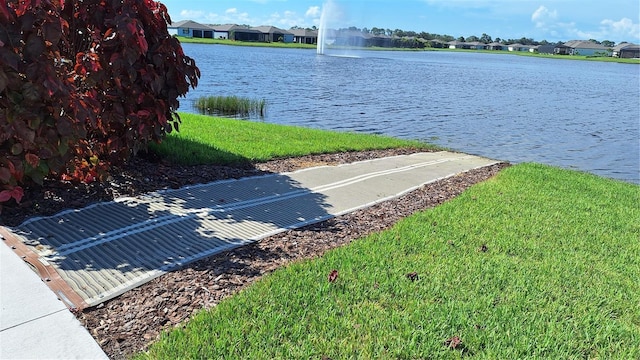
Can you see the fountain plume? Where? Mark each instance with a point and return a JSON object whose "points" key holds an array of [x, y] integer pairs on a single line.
{"points": [[328, 10]]}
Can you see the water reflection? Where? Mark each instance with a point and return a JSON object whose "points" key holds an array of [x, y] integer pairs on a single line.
{"points": [[573, 114]]}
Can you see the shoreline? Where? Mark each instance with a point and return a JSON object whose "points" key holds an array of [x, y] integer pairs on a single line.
{"points": [[494, 52]]}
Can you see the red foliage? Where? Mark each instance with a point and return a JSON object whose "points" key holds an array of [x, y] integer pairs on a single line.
{"points": [[83, 85]]}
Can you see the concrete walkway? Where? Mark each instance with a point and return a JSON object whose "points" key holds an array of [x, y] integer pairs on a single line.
{"points": [[34, 324], [93, 254]]}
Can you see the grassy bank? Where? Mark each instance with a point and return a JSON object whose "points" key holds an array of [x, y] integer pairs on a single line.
{"points": [[547, 56], [518, 53], [245, 43], [536, 263], [214, 140]]}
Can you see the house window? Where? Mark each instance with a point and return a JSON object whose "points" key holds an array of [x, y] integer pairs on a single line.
{"points": [[185, 31]]}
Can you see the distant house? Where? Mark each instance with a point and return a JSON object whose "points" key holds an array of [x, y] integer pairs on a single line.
{"points": [[437, 43], [380, 41], [192, 29], [244, 33], [352, 38], [305, 36], [554, 49], [496, 46], [518, 47], [586, 48], [626, 51], [476, 45], [455, 44], [274, 34], [222, 31]]}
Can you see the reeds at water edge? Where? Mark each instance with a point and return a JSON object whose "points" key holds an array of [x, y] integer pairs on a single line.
{"points": [[230, 106]]}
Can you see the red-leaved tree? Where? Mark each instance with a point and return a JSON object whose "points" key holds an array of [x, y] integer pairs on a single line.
{"points": [[84, 84]]}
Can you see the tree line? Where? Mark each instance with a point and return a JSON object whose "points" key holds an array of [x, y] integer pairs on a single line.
{"points": [[484, 38]]}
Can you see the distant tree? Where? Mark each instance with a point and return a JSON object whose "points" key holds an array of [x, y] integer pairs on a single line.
{"points": [[527, 41], [608, 43], [461, 39], [544, 42], [472, 38], [389, 32], [594, 41], [485, 38], [445, 38], [314, 27], [366, 30]]}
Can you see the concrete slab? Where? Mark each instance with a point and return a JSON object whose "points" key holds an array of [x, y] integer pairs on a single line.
{"points": [[34, 324]]}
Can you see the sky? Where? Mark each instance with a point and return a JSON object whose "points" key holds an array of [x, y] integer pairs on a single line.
{"points": [[551, 20]]}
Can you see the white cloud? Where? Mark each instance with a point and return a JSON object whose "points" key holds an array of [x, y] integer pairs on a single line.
{"points": [[542, 16], [621, 28], [579, 26], [230, 16], [286, 20], [191, 14], [313, 12]]}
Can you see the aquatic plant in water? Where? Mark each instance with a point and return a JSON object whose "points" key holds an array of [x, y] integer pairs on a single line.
{"points": [[230, 106]]}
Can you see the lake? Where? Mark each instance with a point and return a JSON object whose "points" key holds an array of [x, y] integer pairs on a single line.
{"points": [[578, 115]]}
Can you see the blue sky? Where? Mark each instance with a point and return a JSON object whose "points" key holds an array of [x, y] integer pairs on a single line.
{"points": [[551, 20]]}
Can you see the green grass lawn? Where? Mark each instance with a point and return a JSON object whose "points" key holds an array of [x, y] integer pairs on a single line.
{"points": [[214, 140], [538, 262]]}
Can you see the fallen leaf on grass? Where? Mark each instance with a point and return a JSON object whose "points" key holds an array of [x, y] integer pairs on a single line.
{"points": [[453, 342], [333, 276], [412, 276], [483, 248]]}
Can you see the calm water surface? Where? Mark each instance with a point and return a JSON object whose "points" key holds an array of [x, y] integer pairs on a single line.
{"points": [[573, 114]]}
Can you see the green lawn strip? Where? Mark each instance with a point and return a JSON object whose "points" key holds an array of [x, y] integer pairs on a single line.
{"points": [[545, 56], [497, 52], [536, 263], [214, 140], [245, 43]]}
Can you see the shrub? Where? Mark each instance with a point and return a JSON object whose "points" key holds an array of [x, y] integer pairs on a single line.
{"points": [[84, 84]]}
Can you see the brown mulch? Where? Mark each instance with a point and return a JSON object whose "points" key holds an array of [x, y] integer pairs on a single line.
{"points": [[127, 324]]}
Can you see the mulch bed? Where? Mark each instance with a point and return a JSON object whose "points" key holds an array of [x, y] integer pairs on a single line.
{"points": [[129, 323]]}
